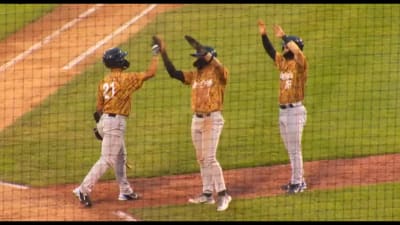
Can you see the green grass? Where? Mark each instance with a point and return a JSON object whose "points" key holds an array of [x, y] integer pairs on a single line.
{"points": [[16, 16], [366, 203], [352, 98], [351, 95]]}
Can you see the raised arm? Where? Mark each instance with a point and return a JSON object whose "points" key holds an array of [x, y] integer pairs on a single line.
{"points": [[291, 45], [169, 66], [152, 68], [266, 42]]}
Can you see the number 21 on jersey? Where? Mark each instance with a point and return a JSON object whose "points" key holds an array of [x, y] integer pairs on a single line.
{"points": [[107, 87]]}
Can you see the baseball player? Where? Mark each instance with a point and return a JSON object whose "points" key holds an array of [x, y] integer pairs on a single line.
{"points": [[208, 84], [113, 107], [292, 65]]}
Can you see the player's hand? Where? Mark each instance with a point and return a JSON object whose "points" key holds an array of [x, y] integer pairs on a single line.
{"points": [[97, 116], [155, 48], [279, 31], [97, 134], [261, 27], [158, 41]]}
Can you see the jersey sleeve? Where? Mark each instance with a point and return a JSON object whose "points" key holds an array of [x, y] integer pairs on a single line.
{"points": [[224, 77], [301, 61], [134, 80], [99, 97], [189, 76], [279, 61]]}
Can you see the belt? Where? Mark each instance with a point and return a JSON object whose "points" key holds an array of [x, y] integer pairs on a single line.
{"points": [[290, 105], [202, 115], [111, 114]]}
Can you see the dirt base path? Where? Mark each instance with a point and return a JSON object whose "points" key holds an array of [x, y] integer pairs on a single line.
{"points": [[57, 203], [54, 43]]}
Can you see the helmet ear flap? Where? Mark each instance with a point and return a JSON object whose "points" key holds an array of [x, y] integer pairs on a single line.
{"points": [[125, 64]]}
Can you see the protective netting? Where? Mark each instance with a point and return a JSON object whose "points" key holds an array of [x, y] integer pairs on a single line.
{"points": [[51, 65]]}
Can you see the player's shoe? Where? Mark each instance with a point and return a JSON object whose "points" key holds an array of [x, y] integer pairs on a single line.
{"points": [[83, 198], [76, 192], [286, 187], [131, 196], [294, 188], [202, 199], [223, 202]]}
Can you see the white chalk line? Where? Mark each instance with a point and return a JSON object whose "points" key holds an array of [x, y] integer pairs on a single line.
{"points": [[47, 39], [124, 216], [13, 185], [107, 38]]}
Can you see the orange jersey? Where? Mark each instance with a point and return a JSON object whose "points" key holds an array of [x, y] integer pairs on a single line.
{"points": [[208, 87], [115, 90], [293, 77]]}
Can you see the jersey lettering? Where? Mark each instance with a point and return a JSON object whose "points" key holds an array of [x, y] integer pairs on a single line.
{"points": [[106, 89], [287, 78], [202, 84]]}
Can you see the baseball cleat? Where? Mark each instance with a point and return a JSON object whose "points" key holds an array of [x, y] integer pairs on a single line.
{"points": [[294, 188], [202, 199], [76, 192], [132, 196], [223, 202], [83, 198], [286, 187]]}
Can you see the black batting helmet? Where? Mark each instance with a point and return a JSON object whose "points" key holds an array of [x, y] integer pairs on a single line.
{"points": [[208, 49], [296, 40], [115, 58]]}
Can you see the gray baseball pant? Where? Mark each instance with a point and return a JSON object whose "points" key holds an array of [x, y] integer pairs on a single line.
{"points": [[291, 124], [206, 132], [113, 154]]}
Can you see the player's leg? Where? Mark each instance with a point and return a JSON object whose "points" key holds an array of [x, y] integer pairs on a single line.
{"points": [[295, 123], [118, 161], [197, 129], [283, 128], [108, 144], [212, 167], [97, 170], [210, 139], [106, 160], [284, 132], [125, 190]]}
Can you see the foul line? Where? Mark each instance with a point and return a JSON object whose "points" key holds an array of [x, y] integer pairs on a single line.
{"points": [[106, 39], [14, 185], [38, 45], [124, 216]]}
